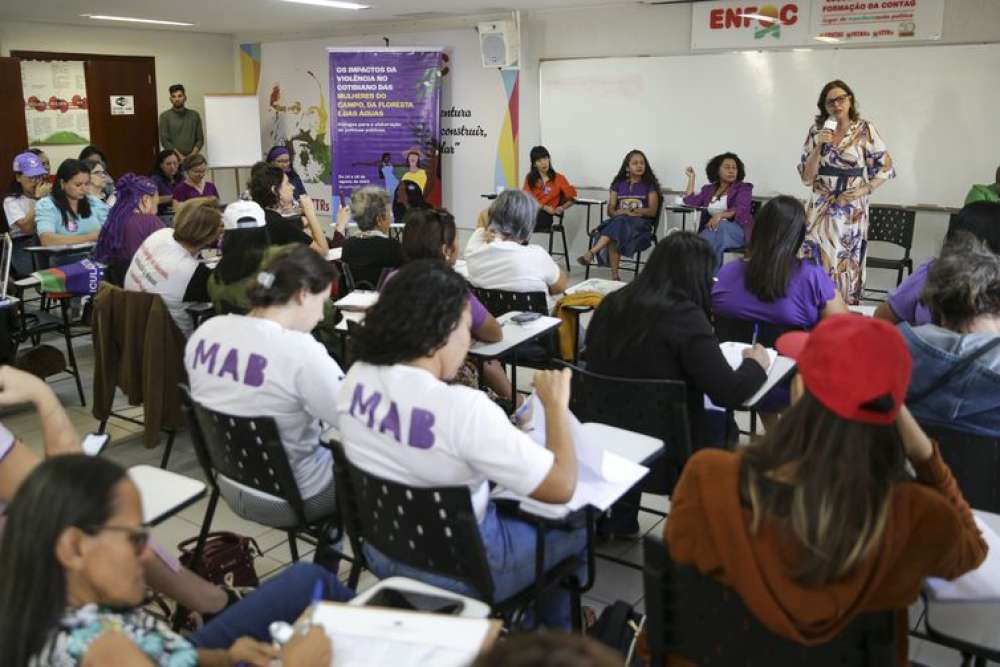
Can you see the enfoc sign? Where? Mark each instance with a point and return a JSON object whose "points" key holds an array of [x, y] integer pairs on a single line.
{"points": [[742, 24]]}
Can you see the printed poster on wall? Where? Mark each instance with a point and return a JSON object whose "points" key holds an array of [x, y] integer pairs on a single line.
{"points": [[55, 102], [840, 21], [385, 120], [732, 24]]}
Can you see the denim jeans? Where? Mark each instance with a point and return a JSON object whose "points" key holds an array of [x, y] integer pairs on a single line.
{"points": [[282, 598], [728, 235], [510, 550]]}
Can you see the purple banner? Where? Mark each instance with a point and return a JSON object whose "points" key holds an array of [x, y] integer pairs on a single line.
{"points": [[385, 122]]}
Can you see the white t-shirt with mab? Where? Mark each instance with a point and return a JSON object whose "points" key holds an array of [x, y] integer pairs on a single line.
{"points": [[402, 423], [252, 367], [163, 266], [508, 265], [16, 208]]}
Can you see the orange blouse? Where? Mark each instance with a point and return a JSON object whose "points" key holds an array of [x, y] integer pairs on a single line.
{"points": [[552, 193]]}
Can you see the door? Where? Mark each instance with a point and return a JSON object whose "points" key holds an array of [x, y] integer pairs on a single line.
{"points": [[14, 137], [130, 139]]}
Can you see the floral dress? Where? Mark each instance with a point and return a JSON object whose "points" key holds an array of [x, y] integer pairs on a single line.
{"points": [[79, 628], [838, 234]]}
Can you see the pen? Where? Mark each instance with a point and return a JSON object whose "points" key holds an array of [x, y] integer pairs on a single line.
{"points": [[753, 341]]}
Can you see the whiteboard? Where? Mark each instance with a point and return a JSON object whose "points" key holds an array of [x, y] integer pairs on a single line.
{"points": [[232, 130], [935, 106]]}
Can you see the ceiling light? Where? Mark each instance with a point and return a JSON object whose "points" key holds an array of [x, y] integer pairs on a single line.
{"points": [[129, 19], [333, 4]]}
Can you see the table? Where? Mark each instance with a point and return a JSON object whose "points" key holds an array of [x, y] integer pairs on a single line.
{"points": [[471, 607], [514, 335], [683, 209], [163, 493], [56, 250], [599, 285], [359, 299]]}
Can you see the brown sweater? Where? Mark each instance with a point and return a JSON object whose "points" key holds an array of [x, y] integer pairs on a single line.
{"points": [[930, 531]]}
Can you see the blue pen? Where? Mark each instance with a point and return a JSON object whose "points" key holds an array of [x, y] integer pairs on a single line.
{"points": [[753, 341]]}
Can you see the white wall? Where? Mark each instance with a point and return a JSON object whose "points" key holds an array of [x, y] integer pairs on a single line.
{"points": [[203, 62]]}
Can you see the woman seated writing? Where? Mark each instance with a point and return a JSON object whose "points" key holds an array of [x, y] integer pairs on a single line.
{"points": [[68, 214], [726, 222], [371, 252], [633, 204], [167, 263], [400, 419], [904, 304], [194, 185], [130, 222], [500, 257], [550, 189], [76, 542], [819, 520], [658, 327], [432, 234], [956, 362], [288, 375]]}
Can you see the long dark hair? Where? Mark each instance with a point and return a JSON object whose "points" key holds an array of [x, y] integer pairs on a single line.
{"points": [[413, 195], [299, 268], [680, 269], [648, 177], [264, 185], [67, 170], [415, 314], [92, 150], [62, 492], [158, 168], [242, 251], [534, 176], [425, 231], [821, 102], [778, 233], [829, 480], [982, 220]]}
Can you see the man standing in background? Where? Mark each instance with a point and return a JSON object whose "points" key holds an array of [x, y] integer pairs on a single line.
{"points": [[180, 127]]}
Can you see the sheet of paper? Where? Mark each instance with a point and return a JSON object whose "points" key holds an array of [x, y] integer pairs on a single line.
{"points": [[602, 287], [980, 585], [733, 352], [359, 299], [365, 636]]}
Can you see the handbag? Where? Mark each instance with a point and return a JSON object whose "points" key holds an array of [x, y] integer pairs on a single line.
{"points": [[226, 559]]}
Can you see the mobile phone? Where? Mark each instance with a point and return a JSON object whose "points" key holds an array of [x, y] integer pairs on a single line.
{"points": [[94, 443], [524, 318], [397, 599]]}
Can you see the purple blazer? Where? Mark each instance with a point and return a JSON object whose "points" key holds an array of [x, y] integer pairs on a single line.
{"points": [[738, 198]]}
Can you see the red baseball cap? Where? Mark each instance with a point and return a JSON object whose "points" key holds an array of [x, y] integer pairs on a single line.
{"points": [[856, 366]]}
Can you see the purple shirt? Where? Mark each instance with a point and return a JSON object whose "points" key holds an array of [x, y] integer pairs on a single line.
{"points": [[183, 191], [137, 229], [631, 195], [905, 300], [808, 291], [738, 198]]}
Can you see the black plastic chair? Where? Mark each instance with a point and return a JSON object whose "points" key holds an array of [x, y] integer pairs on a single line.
{"points": [[693, 616], [656, 408], [248, 451], [636, 260], [432, 529], [755, 205], [500, 302], [975, 462], [890, 224]]}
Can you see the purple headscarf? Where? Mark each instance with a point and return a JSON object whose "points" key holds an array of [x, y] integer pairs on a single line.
{"points": [[273, 154], [130, 189]]}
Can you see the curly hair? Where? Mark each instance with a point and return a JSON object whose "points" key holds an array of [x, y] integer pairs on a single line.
{"points": [[265, 181], [713, 166], [415, 314], [964, 282]]}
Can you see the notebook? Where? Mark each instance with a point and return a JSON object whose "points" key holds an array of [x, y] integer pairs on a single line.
{"points": [[779, 369]]}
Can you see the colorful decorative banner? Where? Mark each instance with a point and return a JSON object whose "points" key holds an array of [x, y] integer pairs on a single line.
{"points": [[55, 102], [729, 24], [385, 124], [249, 67], [840, 21], [507, 174]]}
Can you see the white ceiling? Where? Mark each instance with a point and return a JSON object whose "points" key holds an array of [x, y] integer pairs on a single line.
{"points": [[243, 16]]}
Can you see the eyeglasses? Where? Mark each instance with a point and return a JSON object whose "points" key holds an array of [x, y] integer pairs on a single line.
{"points": [[139, 537], [835, 101]]}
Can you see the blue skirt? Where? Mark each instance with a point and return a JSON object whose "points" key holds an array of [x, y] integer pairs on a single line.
{"points": [[631, 233]]}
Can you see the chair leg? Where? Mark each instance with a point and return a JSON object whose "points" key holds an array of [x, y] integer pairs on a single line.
{"points": [[293, 546], [565, 252], [355, 574], [166, 449], [64, 307], [102, 426]]}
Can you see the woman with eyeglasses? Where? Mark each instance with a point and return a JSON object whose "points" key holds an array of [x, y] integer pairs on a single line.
{"points": [[75, 539], [843, 160], [194, 185]]}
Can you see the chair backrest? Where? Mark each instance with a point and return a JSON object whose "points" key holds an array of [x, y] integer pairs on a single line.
{"points": [[975, 462], [499, 301], [755, 205], [247, 450], [890, 224], [742, 331], [657, 408], [692, 616], [432, 529]]}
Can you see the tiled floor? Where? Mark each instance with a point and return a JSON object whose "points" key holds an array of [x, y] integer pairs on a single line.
{"points": [[613, 582]]}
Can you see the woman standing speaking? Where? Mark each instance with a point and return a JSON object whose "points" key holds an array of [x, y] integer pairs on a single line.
{"points": [[843, 160]]}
